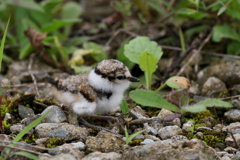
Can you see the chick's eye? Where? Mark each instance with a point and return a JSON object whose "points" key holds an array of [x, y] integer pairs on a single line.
{"points": [[120, 77]]}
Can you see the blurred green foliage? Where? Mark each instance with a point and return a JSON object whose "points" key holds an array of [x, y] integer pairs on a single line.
{"points": [[57, 17]]}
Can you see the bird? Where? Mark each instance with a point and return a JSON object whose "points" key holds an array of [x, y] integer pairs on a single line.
{"points": [[99, 92]]}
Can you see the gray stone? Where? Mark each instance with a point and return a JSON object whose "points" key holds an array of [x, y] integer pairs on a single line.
{"points": [[138, 113], [80, 145], [177, 122], [103, 156], [231, 126], [169, 131], [105, 142], [213, 87], [65, 130], [238, 155], [167, 150], [69, 149], [228, 70], [25, 112], [7, 117], [56, 115], [147, 141], [61, 156], [233, 115], [188, 127], [42, 141], [17, 128], [236, 103], [230, 141]]}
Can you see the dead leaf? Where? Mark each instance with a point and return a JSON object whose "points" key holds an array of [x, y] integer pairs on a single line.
{"points": [[35, 38]]}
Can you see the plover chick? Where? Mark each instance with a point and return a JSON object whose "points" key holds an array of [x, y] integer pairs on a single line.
{"points": [[100, 91]]}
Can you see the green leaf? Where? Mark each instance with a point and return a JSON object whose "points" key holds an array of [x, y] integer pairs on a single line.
{"points": [[220, 32], [129, 138], [29, 127], [233, 48], [196, 108], [93, 46], [221, 10], [28, 4], [124, 106], [178, 82], [215, 102], [182, 40], [137, 46], [147, 63], [26, 154], [81, 69], [191, 13], [3, 42], [133, 135], [71, 10], [56, 24], [151, 99]]}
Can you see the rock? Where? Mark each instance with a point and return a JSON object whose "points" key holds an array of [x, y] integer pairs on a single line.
{"points": [[105, 142], [188, 127], [235, 90], [213, 87], [169, 131], [61, 156], [68, 149], [56, 115], [103, 156], [18, 70], [17, 128], [194, 89], [72, 116], [231, 126], [199, 135], [25, 112], [152, 137], [3, 137], [27, 121], [179, 138], [138, 113], [80, 145], [227, 70], [224, 156], [237, 155], [7, 117], [233, 115], [167, 150], [147, 141], [177, 122], [62, 130], [236, 104], [42, 141], [139, 136], [163, 113], [218, 127], [230, 142]]}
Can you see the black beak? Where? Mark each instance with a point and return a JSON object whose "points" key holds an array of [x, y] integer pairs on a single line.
{"points": [[133, 79]]}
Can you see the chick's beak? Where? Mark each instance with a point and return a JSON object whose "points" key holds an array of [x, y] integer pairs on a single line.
{"points": [[133, 79]]}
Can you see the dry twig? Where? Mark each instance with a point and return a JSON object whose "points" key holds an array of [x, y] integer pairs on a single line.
{"points": [[30, 72]]}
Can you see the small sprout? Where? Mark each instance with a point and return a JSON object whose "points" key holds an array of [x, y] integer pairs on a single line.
{"points": [[129, 138], [178, 82]]}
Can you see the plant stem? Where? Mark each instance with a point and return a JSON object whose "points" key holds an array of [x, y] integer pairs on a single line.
{"points": [[159, 88]]}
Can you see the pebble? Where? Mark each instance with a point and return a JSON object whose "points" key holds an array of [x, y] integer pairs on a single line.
{"points": [[56, 115]]}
